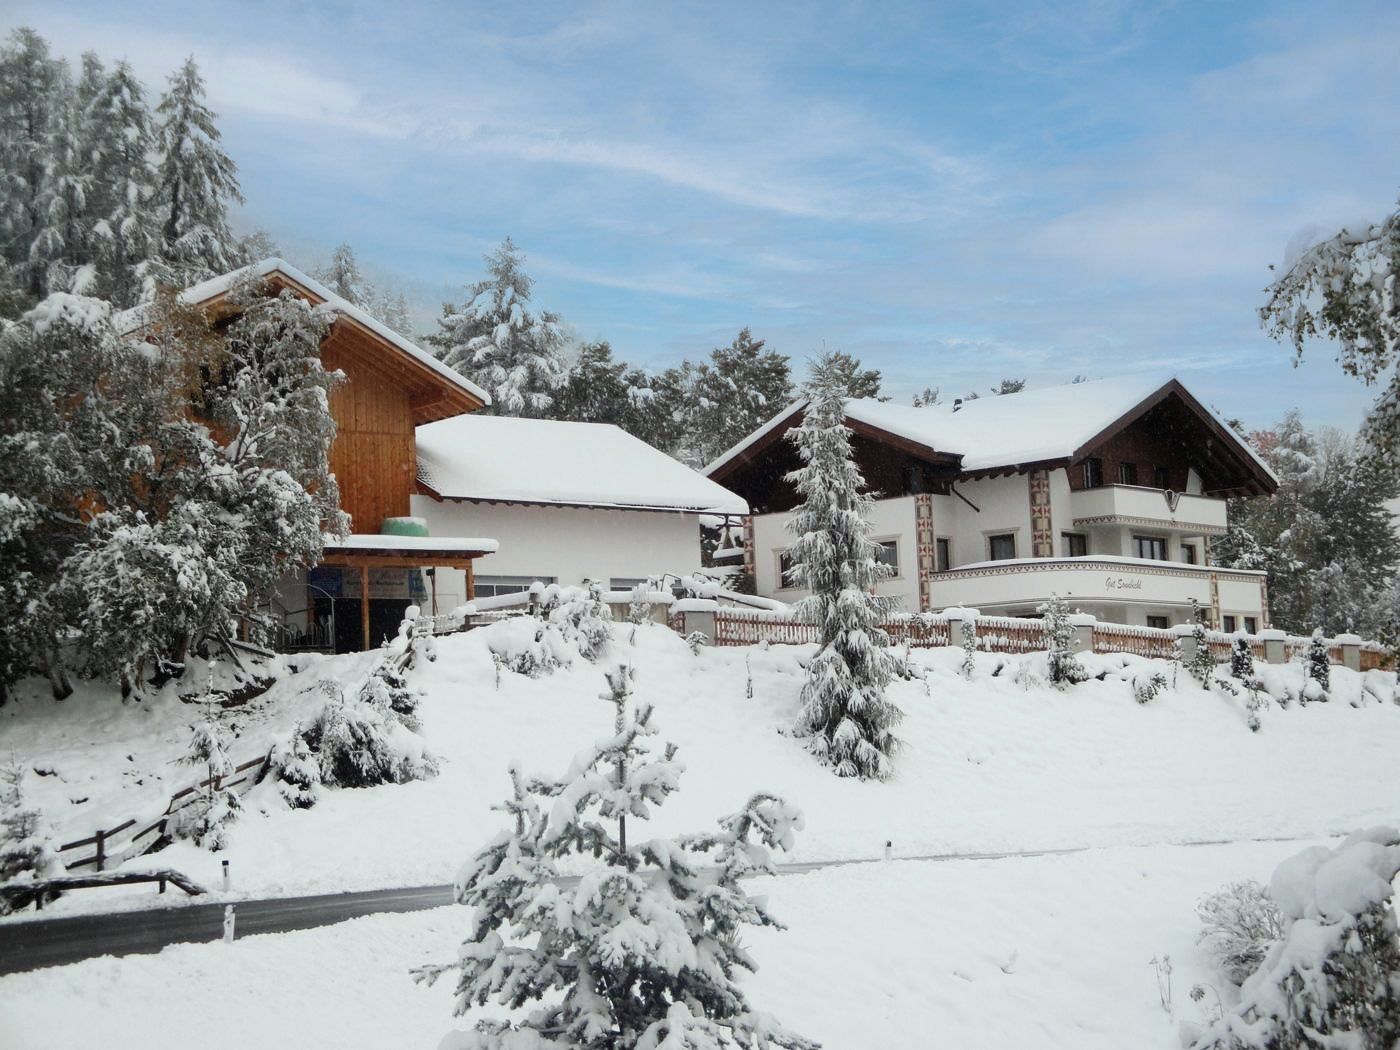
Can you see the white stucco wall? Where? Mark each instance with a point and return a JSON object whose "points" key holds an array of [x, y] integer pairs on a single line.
{"points": [[567, 543], [1003, 505], [890, 519]]}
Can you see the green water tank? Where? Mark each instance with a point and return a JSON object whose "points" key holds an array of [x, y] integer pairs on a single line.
{"points": [[404, 527]]}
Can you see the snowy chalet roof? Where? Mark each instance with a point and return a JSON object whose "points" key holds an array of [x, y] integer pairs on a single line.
{"points": [[1041, 425], [503, 459], [131, 320]]}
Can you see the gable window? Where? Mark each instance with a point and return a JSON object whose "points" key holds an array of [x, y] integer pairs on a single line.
{"points": [[1075, 544], [943, 554], [787, 575], [1188, 553], [1153, 547], [1164, 477], [1161, 623], [1002, 546], [887, 553], [1093, 473], [1127, 473]]}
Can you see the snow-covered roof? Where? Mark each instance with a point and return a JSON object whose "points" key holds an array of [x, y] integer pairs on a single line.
{"points": [[375, 541], [130, 320], [505, 459], [1046, 423]]}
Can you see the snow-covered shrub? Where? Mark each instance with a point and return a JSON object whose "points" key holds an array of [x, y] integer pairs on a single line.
{"points": [[1241, 658], [1147, 687], [26, 840], [297, 771], [528, 646], [845, 716], [206, 817], [584, 619], [969, 648], [1063, 667], [1200, 665], [1319, 665], [360, 743], [697, 640], [1333, 977], [643, 950], [1238, 926], [387, 688]]}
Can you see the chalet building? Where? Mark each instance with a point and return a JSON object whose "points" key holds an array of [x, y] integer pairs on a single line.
{"points": [[570, 501], [356, 596], [1106, 493]]}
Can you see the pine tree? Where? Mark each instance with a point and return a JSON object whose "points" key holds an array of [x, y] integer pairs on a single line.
{"points": [[65, 248], [643, 951], [1319, 665], [740, 388], [860, 382], [1241, 659], [597, 389], [34, 90], [1063, 665], [496, 339], [392, 309], [120, 141], [845, 716], [343, 277], [27, 849], [215, 807], [196, 183]]}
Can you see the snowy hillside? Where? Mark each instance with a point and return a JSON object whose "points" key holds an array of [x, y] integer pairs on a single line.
{"points": [[1001, 762]]}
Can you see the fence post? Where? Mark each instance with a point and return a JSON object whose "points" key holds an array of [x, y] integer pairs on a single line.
{"points": [[956, 618], [1081, 636], [1351, 650], [1185, 634], [1273, 640], [698, 614], [101, 842]]}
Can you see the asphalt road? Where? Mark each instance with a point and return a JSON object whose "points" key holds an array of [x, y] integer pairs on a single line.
{"points": [[31, 944]]}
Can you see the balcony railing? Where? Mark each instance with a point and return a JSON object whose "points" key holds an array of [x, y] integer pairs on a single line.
{"points": [[1148, 508]]}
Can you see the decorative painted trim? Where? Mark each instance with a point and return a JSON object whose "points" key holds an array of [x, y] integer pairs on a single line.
{"points": [[1087, 565], [1215, 600], [1264, 602], [926, 548], [1042, 527], [1195, 528], [750, 562]]}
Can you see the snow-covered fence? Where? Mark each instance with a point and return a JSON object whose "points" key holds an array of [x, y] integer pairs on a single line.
{"points": [[751, 626], [1150, 642], [1009, 634]]}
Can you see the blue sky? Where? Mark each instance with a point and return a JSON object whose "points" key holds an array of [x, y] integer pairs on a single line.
{"points": [[953, 192]]}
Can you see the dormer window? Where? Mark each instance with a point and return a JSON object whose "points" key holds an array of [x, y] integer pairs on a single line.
{"points": [[1093, 473], [1127, 473]]}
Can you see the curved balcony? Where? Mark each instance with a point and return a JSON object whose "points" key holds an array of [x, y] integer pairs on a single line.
{"points": [[1135, 505]]}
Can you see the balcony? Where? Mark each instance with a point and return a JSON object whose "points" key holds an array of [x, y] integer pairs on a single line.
{"points": [[1136, 505], [1095, 581]]}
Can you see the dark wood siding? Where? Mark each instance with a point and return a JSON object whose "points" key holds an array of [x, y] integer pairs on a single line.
{"points": [[374, 454]]}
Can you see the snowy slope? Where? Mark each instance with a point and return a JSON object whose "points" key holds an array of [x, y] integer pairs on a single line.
{"points": [[980, 955], [989, 764]]}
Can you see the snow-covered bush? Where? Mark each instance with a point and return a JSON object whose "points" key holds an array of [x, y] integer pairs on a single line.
{"points": [[1238, 926], [642, 952], [528, 646], [206, 817], [697, 640], [1147, 687], [1319, 665], [969, 648], [584, 619], [360, 743], [846, 718], [1333, 978], [387, 688], [1241, 658], [296, 770], [26, 841], [1063, 667], [1200, 664]]}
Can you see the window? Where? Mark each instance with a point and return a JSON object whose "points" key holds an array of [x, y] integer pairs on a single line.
{"points": [[1159, 622], [1153, 547], [786, 576], [1164, 478], [1230, 622], [1127, 473], [1002, 546], [1075, 544], [1188, 553], [492, 586], [1251, 625], [887, 553], [625, 583], [1093, 472], [943, 554]]}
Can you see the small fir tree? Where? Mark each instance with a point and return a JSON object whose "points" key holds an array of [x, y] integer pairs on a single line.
{"points": [[206, 819], [1319, 663], [26, 842], [845, 716], [297, 772], [343, 277], [1241, 658], [1201, 664], [643, 951], [969, 648], [1063, 666], [585, 619]]}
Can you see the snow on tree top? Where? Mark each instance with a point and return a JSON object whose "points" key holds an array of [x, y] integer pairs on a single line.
{"points": [[1029, 426], [510, 459], [130, 320]]}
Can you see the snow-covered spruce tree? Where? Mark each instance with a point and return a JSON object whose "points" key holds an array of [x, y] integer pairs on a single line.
{"points": [[297, 772], [27, 849], [643, 952], [64, 247], [361, 740], [342, 276], [495, 338], [1201, 664], [1241, 658], [196, 180], [969, 648], [1333, 977], [1319, 665], [392, 309], [584, 619], [845, 716], [738, 389], [215, 807], [1062, 665]]}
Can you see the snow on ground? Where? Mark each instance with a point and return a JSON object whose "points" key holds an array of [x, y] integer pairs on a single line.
{"points": [[995, 763], [1022, 952]]}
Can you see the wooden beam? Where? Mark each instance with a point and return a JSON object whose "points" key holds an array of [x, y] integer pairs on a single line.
{"points": [[471, 582], [364, 606]]}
